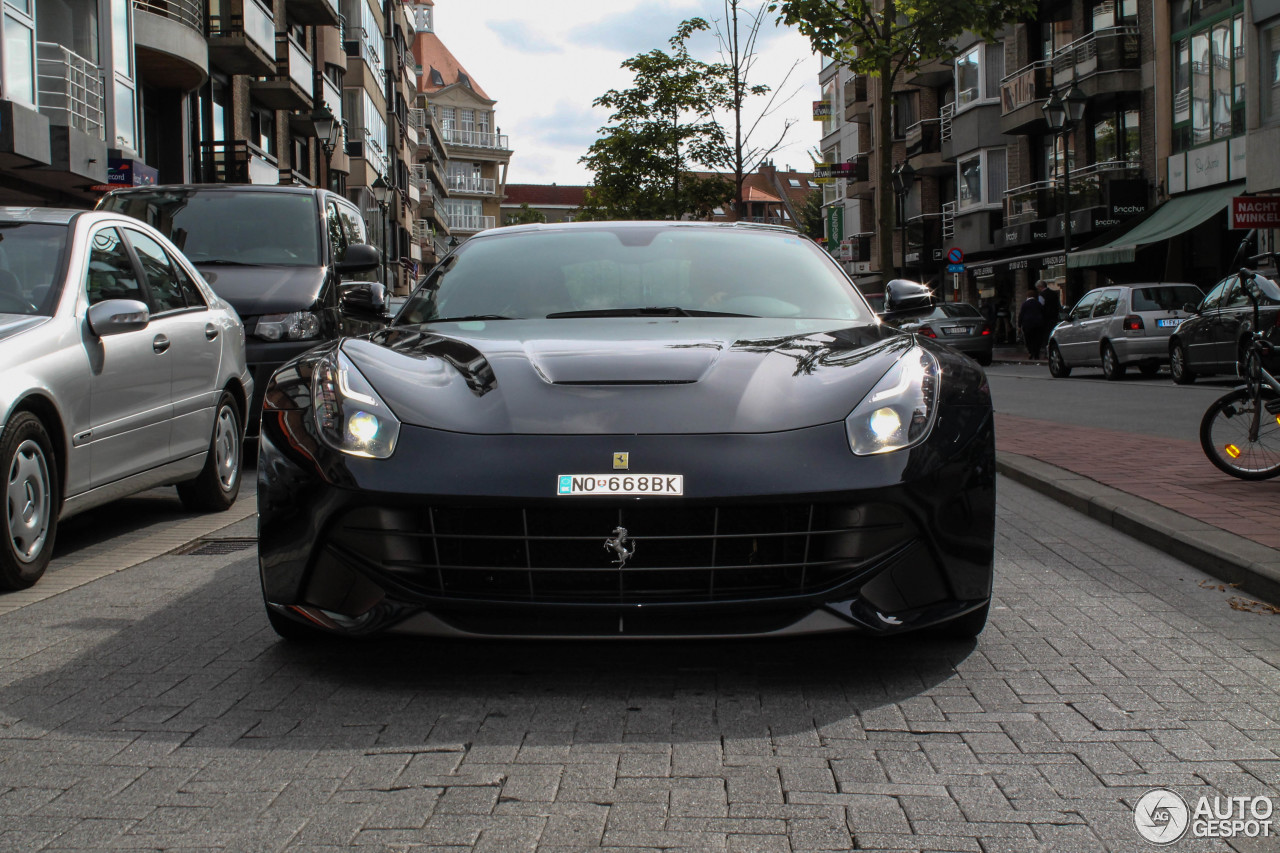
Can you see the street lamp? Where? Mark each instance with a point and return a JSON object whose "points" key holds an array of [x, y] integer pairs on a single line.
{"points": [[324, 123], [903, 178], [1063, 114]]}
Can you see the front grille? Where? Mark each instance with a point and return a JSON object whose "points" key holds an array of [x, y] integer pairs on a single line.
{"points": [[681, 552]]}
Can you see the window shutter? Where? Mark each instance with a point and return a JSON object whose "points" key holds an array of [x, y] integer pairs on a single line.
{"points": [[994, 60], [997, 175]]}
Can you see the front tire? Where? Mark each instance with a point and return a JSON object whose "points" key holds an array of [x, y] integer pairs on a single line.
{"points": [[1224, 436], [217, 485], [1178, 367], [31, 501], [1112, 369], [1058, 367]]}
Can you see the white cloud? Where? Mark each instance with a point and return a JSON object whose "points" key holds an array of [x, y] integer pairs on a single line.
{"points": [[545, 62]]}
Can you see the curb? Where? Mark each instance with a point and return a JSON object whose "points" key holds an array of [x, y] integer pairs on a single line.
{"points": [[1254, 567]]}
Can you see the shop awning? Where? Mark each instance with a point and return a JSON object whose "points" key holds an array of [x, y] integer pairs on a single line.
{"points": [[1174, 217]]}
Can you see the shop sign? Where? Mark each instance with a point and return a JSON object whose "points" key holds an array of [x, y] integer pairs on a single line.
{"points": [[130, 173], [835, 227], [1235, 152], [821, 110], [1207, 166], [987, 271], [1254, 212], [1125, 198], [1177, 181], [825, 173]]}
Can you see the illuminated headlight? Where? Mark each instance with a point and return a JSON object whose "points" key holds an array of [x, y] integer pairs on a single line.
{"points": [[298, 326], [350, 415], [901, 408]]}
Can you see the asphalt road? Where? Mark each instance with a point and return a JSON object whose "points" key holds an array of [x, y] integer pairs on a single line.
{"points": [[155, 709], [1145, 406]]}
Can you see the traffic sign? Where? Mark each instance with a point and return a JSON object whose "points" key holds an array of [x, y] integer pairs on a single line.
{"points": [[955, 267], [955, 256]]}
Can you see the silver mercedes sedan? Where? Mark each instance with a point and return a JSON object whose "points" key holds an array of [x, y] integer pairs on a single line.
{"points": [[120, 370]]}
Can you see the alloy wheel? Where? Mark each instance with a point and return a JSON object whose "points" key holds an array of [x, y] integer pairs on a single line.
{"points": [[28, 501], [226, 448]]}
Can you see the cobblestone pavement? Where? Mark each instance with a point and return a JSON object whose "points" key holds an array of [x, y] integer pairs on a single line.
{"points": [[154, 709]]}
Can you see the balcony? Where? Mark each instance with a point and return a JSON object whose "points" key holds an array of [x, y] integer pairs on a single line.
{"points": [[858, 183], [1114, 49], [924, 148], [70, 90], [293, 85], [948, 220], [358, 44], [242, 38], [1022, 95], [476, 139], [468, 222], [932, 74], [472, 184], [236, 162], [365, 147], [169, 42], [318, 13], [1030, 202]]}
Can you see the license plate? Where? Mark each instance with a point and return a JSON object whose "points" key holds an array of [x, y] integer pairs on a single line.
{"points": [[619, 484], [956, 330], [1168, 324]]}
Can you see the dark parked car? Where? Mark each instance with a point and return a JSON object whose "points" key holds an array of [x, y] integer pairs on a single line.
{"points": [[1120, 325], [282, 256], [959, 325], [629, 429], [1213, 340]]}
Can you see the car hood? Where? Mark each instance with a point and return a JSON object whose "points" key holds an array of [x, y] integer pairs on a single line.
{"points": [[265, 289], [16, 324], [627, 375]]}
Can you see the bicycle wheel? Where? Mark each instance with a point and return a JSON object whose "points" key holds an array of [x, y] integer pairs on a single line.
{"points": [[1224, 435]]}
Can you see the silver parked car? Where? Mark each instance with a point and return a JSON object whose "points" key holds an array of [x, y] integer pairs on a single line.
{"points": [[1119, 325], [120, 370]]}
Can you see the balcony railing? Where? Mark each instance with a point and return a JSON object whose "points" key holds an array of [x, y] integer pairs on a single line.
{"points": [[357, 43], [70, 89], [470, 222], [301, 71], [472, 184], [1029, 202], [924, 137], [236, 162], [423, 231], [948, 220], [476, 139], [855, 90], [945, 114], [1025, 86], [254, 21], [1112, 49], [332, 98], [188, 12], [1088, 183], [1043, 199]]}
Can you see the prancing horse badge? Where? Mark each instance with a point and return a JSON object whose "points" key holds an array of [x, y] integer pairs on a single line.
{"points": [[621, 461]]}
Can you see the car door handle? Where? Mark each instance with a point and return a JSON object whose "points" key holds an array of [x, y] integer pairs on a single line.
{"points": [[210, 332], [160, 344]]}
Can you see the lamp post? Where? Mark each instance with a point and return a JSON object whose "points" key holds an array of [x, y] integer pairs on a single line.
{"points": [[1063, 114], [903, 177], [324, 123], [382, 195]]}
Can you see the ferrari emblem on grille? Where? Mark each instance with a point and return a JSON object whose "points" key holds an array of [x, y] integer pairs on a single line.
{"points": [[621, 461], [619, 546]]}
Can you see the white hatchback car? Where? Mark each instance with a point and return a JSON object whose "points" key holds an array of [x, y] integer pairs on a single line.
{"points": [[120, 370], [1119, 325]]}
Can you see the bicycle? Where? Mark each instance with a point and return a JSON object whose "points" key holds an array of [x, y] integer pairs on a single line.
{"points": [[1240, 432]]}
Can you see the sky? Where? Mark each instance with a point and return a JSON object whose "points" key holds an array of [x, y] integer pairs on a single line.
{"points": [[545, 61]]}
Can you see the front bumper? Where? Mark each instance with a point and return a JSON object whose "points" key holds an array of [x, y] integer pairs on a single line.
{"points": [[776, 533]]}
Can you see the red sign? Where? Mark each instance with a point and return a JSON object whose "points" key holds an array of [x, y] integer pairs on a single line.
{"points": [[1255, 211]]}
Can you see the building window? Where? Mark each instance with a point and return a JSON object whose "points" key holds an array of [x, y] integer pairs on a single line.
{"points": [[982, 178], [1208, 74], [1269, 76], [1117, 136], [19, 54], [1113, 13], [904, 113], [978, 72], [262, 130]]}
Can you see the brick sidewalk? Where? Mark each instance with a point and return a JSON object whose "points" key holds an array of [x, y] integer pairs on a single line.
{"points": [[1171, 473]]}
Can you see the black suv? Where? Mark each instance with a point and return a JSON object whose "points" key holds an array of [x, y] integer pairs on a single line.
{"points": [[290, 260]]}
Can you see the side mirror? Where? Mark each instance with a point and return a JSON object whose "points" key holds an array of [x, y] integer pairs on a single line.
{"points": [[117, 316], [1192, 307], [364, 299], [360, 257]]}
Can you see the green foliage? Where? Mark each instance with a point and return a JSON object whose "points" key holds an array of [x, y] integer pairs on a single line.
{"points": [[811, 221], [661, 128], [525, 215]]}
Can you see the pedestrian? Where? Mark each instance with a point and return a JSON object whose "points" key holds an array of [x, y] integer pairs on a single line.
{"points": [[1051, 302], [1031, 321], [1004, 326]]}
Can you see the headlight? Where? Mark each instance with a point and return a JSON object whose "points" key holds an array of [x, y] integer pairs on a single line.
{"points": [[900, 410], [298, 326], [350, 415]]}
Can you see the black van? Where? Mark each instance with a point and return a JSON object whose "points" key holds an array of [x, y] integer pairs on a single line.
{"points": [[293, 261]]}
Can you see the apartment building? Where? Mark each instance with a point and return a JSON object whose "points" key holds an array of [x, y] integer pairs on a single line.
{"points": [[476, 152], [1158, 106]]}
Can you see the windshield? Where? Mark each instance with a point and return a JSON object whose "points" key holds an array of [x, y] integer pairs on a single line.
{"points": [[30, 267], [231, 227], [636, 271], [1167, 297]]}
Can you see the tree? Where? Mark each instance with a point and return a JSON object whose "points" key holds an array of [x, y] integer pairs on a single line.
{"points": [[884, 39], [811, 221], [660, 128], [525, 215], [738, 52]]}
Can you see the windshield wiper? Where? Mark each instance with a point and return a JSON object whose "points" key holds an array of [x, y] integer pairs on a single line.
{"points": [[470, 317], [224, 262], [652, 311]]}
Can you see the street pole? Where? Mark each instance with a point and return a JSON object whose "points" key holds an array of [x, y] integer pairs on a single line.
{"points": [[1063, 113]]}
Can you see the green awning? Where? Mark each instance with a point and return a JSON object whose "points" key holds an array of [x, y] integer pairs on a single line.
{"points": [[1174, 217]]}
